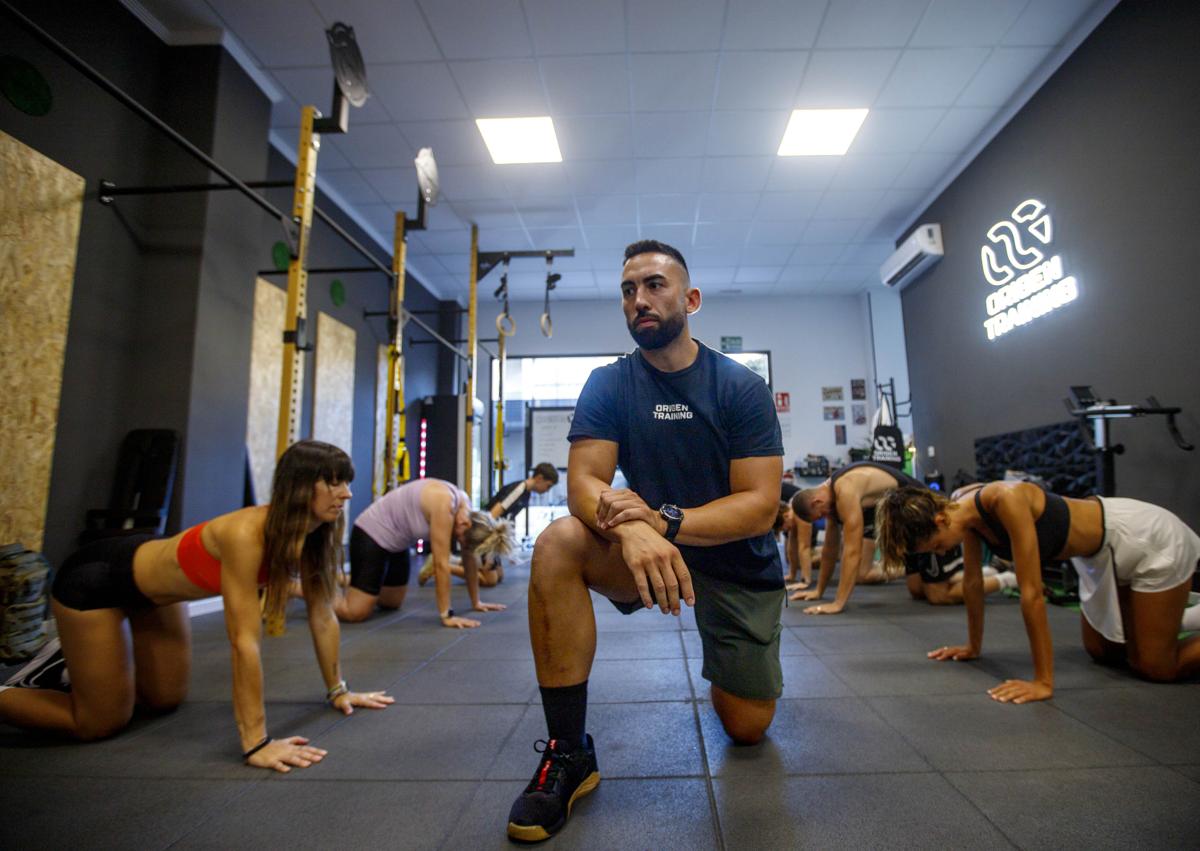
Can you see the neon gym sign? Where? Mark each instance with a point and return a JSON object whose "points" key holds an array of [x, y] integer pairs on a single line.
{"points": [[1029, 284]]}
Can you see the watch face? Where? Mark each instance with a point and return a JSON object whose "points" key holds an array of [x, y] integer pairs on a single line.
{"points": [[671, 512]]}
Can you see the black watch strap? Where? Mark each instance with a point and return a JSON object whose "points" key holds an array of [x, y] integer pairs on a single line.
{"points": [[674, 518]]}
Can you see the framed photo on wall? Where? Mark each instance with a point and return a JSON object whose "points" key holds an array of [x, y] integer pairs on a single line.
{"points": [[839, 435], [858, 388], [831, 394], [834, 412]]}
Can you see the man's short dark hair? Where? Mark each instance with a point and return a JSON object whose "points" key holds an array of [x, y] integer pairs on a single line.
{"points": [[653, 246], [547, 471]]}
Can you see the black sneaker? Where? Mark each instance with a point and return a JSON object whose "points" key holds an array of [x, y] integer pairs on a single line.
{"points": [[562, 777], [48, 669]]}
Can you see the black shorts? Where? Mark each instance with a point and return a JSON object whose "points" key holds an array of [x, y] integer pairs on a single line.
{"points": [[100, 576], [372, 567], [932, 567]]}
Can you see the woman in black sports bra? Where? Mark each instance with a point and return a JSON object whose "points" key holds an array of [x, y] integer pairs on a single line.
{"points": [[1134, 561]]}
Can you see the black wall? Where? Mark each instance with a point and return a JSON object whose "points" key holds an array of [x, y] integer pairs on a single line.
{"points": [[163, 297], [1110, 145]]}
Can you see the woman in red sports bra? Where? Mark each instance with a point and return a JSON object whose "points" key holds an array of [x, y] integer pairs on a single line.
{"points": [[147, 582]]}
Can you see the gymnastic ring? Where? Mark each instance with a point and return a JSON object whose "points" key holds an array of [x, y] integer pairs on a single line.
{"points": [[547, 325], [501, 328]]}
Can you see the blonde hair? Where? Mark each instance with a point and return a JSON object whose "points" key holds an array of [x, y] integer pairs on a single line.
{"points": [[903, 518], [488, 536], [289, 549]]}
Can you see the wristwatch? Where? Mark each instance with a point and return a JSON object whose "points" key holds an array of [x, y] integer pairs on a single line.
{"points": [[674, 516], [449, 613]]}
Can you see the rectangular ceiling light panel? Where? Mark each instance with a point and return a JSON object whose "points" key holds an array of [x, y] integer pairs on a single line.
{"points": [[821, 132], [520, 140]]}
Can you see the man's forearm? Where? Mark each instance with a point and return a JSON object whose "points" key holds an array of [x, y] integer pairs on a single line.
{"points": [[730, 518]]}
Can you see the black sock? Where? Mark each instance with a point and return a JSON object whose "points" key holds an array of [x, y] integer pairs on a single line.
{"points": [[566, 713]]}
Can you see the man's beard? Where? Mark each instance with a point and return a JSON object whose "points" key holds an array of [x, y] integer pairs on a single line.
{"points": [[657, 336]]}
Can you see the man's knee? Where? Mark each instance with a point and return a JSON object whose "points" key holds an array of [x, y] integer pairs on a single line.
{"points": [[745, 720], [559, 548], [1158, 670]]}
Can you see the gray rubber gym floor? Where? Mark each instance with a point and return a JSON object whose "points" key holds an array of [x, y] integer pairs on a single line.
{"points": [[873, 745]]}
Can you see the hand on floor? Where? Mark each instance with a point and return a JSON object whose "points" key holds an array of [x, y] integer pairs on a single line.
{"points": [[368, 699], [282, 754], [458, 622], [1021, 691], [825, 609], [489, 607], [958, 654]]}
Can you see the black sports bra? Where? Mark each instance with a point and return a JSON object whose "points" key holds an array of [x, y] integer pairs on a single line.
{"points": [[1052, 528]]}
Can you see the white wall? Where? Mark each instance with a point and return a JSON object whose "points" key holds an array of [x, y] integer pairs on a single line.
{"points": [[813, 341]]}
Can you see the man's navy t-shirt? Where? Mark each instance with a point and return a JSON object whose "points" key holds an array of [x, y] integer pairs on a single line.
{"points": [[676, 434]]}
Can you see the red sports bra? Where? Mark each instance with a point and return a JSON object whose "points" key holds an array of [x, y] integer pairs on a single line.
{"points": [[199, 566]]}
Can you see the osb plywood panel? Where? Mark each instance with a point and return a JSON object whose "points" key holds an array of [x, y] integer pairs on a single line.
{"points": [[381, 376], [41, 204], [266, 375], [333, 385]]}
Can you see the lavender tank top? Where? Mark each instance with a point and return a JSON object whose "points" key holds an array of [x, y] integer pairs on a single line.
{"points": [[395, 520]]}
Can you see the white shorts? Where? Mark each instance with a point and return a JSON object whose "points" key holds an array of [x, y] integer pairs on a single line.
{"points": [[1146, 548]]}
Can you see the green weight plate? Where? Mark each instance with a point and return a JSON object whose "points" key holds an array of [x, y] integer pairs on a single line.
{"points": [[281, 256], [337, 292]]}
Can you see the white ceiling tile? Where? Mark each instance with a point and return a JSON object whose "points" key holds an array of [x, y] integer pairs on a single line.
{"points": [[931, 77], [816, 255], [759, 80], [772, 24], [723, 235], [417, 91], [803, 274], [610, 237], [869, 171], [489, 215], [1001, 75], [746, 133], [453, 142], [444, 242], [895, 130], [668, 175], [675, 81], [757, 274], [852, 274], [386, 32], [479, 29], [607, 209], [535, 180], [810, 174], [470, 182], [728, 206], [1047, 23], [278, 31], [501, 88], [378, 216], [678, 235], [959, 128], [878, 230], [285, 112], [567, 27], [822, 231], [870, 23], [866, 253], [766, 255], [924, 170], [775, 233], [669, 134], [548, 213], [314, 87], [787, 206], [396, 186], [845, 79], [580, 85], [675, 25], [714, 255], [375, 146], [959, 22], [504, 239], [752, 290], [667, 209], [712, 276], [351, 186], [735, 174], [594, 137], [545, 239], [848, 204], [601, 177]]}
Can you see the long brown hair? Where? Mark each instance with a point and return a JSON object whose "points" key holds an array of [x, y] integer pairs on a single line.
{"points": [[289, 549], [905, 517]]}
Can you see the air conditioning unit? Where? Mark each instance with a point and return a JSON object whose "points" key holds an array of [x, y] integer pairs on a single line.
{"points": [[921, 250]]}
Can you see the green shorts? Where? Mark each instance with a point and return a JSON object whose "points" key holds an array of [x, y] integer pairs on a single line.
{"points": [[739, 630]]}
